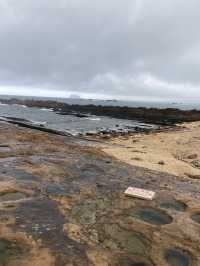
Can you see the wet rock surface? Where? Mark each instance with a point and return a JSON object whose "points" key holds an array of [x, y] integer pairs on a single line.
{"points": [[63, 204], [12, 196], [177, 257], [173, 204], [11, 251], [152, 216], [196, 217]]}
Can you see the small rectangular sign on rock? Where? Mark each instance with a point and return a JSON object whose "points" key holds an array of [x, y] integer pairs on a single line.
{"points": [[140, 193]]}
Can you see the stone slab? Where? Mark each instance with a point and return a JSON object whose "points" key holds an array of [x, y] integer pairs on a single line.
{"points": [[140, 193]]}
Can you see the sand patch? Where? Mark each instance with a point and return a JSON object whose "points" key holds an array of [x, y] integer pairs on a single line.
{"points": [[174, 152]]}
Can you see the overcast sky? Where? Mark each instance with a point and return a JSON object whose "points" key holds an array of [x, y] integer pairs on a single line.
{"points": [[128, 49]]}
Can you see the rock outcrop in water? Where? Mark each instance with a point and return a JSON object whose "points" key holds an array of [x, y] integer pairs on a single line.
{"points": [[167, 116]]}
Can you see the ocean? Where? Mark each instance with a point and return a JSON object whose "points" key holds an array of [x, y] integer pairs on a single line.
{"points": [[148, 104], [82, 125]]}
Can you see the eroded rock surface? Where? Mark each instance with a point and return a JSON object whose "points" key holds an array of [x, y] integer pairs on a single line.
{"points": [[63, 204]]}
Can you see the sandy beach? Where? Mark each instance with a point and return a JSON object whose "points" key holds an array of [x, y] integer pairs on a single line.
{"points": [[176, 151]]}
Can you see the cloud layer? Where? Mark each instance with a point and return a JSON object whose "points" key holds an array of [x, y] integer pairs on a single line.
{"points": [[119, 49]]}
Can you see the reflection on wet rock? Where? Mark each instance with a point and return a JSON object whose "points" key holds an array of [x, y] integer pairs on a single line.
{"points": [[152, 216], [178, 257], [196, 217], [173, 204]]}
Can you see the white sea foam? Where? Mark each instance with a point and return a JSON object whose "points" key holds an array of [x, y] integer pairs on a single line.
{"points": [[47, 109], [93, 118], [20, 105], [38, 122]]}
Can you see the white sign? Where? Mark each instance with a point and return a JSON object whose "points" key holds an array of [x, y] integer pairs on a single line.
{"points": [[140, 193]]}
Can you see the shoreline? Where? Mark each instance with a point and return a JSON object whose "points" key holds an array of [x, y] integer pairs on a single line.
{"points": [[156, 116], [166, 148]]}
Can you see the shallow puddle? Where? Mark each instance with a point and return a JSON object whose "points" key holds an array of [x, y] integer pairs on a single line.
{"points": [[177, 257], [173, 204], [12, 196], [123, 240], [196, 217], [152, 216]]}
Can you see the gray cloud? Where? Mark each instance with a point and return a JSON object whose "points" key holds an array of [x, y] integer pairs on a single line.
{"points": [[141, 48]]}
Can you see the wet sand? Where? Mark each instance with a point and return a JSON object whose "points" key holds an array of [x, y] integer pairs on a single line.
{"points": [[176, 151], [62, 203]]}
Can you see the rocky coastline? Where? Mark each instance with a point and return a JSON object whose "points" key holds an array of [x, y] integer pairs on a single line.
{"points": [[156, 116]]}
